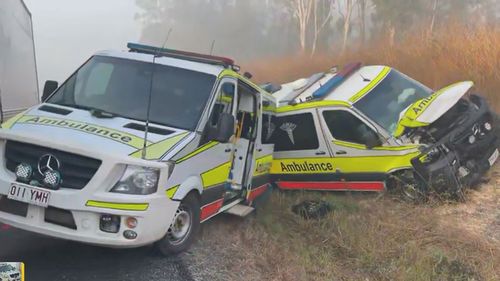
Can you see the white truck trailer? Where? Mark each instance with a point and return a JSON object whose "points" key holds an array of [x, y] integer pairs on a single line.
{"points": [[18, 74]]}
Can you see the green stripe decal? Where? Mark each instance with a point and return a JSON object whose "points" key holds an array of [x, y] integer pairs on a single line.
{"points": [[171, 191], [115, 135], [198, 151], [9, 123], [371, 85], [157, 150], [118, 206]]}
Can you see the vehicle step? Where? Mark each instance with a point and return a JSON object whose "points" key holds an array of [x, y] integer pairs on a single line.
{"points": [[240, 210]]}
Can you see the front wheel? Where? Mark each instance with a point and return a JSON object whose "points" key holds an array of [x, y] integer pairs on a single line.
{"points": [[405, 185], [184, 228]]}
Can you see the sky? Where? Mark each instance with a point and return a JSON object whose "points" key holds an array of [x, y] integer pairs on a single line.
{"points": [[68, 32]]}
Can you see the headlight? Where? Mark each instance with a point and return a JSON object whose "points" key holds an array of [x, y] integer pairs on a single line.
{"points": [[138, 180]]}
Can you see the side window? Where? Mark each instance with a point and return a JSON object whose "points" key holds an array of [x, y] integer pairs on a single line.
{"points": [[267, 128], [223, 103], [246, 114], [294, 132], [344, 126]]}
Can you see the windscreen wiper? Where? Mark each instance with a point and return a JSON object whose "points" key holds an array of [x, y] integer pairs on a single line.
{"points": [[99, 113], [96, 112]]}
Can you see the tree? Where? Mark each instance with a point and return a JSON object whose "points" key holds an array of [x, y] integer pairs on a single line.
{"points": [[302, 9], [395, 17], [362, 7], [326, 11], [345, 11]]}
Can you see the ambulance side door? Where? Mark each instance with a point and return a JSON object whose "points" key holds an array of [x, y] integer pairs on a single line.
{"points": [[301, 155], [216, 158], [349, 136], [264, 148]]}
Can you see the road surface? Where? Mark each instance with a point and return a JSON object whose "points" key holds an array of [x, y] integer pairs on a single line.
{"points": [[52, 259]]}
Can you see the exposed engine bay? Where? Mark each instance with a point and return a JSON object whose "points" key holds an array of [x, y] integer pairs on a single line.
{"points": [[458, 148]]}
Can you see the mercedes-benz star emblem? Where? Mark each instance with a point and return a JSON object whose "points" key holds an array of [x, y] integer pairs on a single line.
{"points": [[48, 162]]}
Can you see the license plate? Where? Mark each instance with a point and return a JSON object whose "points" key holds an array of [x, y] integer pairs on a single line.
{"points": [[29, 194], [493, 158]]}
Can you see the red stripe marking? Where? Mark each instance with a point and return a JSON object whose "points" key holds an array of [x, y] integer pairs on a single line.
{"points": [[254, 193], [371, 186], [210, 209]]}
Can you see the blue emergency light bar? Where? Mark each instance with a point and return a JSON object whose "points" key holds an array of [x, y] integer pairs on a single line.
{"points": [[215, 60], [336, 80]]}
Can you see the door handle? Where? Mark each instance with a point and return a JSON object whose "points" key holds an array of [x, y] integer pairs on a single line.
{"points": [[341, 152], [320, 153], [227, 150], [259, 149]]}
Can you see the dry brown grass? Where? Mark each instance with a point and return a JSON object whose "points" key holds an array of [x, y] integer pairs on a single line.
{"points": [[453, 54], [366, 238], [369, 237]]}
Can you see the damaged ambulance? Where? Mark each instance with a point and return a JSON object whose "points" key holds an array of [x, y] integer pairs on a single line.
{"points": [[372, 128]]}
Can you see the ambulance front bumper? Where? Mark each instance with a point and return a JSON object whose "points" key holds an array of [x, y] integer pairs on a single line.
{"points": [[76, 214], [151, 227]]}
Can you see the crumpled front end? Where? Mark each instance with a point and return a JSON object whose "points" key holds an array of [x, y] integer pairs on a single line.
{"points": [[464, 147]]}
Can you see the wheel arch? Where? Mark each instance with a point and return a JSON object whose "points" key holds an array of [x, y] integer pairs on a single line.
{"points": [[190, 185]]}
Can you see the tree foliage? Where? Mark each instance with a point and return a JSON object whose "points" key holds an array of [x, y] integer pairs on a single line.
{"points": [[249, 28]]}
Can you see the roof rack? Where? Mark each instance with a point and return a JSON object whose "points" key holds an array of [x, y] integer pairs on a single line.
{"points": [[184, 55]]}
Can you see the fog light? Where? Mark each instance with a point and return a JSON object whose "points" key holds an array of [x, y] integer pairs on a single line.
{"points": [[131, 222], [472, 139], [24, 172], [130, 234], [488, 126], [109, 223], [52, 179]]}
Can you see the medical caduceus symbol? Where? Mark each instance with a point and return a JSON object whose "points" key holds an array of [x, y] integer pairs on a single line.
{"points": [[288, 128]]}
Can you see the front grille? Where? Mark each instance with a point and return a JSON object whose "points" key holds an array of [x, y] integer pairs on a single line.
{"points": [[13, 207], [76, 170], [60, 217]]}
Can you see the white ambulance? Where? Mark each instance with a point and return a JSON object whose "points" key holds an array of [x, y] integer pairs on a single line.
{"points": [[368, 128], [136, 147]]}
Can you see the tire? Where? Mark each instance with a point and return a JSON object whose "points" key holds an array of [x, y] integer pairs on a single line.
{"points": [[405, 185], [185, 227]]}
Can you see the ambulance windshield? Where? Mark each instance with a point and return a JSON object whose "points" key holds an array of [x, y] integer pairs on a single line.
{"points": [[389, 98], [121, 88]]}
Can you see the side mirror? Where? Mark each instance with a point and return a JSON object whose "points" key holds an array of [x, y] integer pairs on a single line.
{"points": [[372, 140], [225, 128], [48, 89]]}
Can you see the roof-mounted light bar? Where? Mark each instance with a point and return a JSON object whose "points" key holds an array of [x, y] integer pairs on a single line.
{"points": [[336, 80], [215, 60]]}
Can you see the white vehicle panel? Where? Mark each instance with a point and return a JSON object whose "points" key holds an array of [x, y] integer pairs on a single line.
{"points": [[446, 100], [74, 137], [355, 83], [195, 66]]}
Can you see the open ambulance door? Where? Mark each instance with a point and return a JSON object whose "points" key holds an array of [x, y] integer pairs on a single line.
{"points": [[264, 149]]}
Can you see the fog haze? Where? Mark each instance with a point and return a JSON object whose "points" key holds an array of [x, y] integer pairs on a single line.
{"points": [[69, 32]]}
